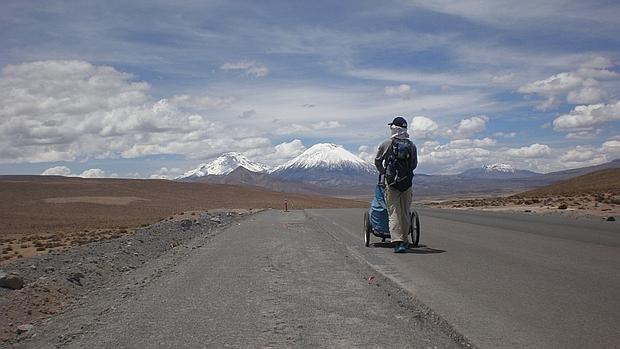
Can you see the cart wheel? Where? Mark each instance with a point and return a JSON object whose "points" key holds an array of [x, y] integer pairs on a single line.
{"points": [[367, 229], [414, 229]]}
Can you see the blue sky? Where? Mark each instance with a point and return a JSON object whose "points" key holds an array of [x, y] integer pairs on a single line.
{"points": [[153, 88]]}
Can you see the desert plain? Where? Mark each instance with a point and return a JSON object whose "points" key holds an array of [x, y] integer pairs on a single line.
{"points": [[44, 213]]}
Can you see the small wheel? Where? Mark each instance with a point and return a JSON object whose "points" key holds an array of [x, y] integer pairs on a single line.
{"points": [[367, 229], [414, 229]]}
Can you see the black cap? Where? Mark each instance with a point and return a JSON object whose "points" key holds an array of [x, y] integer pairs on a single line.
{"points": [[399, 121]]}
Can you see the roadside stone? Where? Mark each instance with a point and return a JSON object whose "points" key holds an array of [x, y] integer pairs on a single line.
{"points": [[11, 281], [49, 269], [76, 278], [24, 328], [186, 223], [216, 220]]}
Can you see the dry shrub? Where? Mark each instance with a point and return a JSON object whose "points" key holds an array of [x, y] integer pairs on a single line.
{"points": [[563, 207], [41, 248]]}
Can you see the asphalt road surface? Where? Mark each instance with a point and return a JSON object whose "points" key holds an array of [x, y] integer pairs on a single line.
{"points": [[274, 280], [505, 280]]}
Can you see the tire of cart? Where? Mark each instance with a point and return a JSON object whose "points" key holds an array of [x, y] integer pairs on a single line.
{"points": [[367, 229], [414, 228]]}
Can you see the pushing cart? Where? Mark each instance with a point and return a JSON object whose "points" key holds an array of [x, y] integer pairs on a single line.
{"points": [[376, 219]]}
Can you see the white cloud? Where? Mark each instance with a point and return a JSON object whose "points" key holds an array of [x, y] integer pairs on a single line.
{"points": [[403, 91], [503, 79], [166, 173], [579, 154], [289, 150], [611, 149], [586, 95], [456, 155], [324, 125], [505, 134], [365, 153], [585, 134], [68, 110], [422, 127], [587, 116], [291, 129], [93, 173], [533, 151], [582, 86], [248, 67], [470, 126], [201, 102], [57, 171]]}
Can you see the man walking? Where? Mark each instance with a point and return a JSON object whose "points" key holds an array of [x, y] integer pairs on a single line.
{"points": [[396, 159]]}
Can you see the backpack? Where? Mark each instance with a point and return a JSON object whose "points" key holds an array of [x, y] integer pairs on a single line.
{"points": [[398, 174]]}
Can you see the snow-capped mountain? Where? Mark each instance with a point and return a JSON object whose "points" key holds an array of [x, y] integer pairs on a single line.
{"points": [[498, 170], [327, 164], [224, 165]]}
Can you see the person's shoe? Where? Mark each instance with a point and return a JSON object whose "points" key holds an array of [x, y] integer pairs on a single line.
{"points": [[400, 248]]}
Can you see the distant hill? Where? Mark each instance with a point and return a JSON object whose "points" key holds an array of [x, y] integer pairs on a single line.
{"points": [[504, 171], [598, 182], [243, 176]]}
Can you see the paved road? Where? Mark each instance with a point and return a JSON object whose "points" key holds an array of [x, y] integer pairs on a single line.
{"points": [[506, 280], [275, 280]]}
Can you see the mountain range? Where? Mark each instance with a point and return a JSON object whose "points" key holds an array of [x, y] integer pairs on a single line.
{"points": [[330, 169]]}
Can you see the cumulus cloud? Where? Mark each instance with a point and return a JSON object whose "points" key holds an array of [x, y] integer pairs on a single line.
{"points": [[166, 173], [291, 129], [323, 125], [582, 86], [422, 127], [579, 154], [533, 151], [585, 134], [611, 149], [201, 102], [456, 155], [93, 173], [585, 117], [248, 67], [57, 171], [366, 153], [289, 150], [403, 91], [69, 110], [505, 134], [469, 126], [65, 171]]}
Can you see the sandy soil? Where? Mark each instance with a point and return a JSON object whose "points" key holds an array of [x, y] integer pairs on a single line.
{"points": [[39, 214], [603, 205]]}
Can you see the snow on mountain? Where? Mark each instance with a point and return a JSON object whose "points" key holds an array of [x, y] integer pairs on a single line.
{"points": [[224, 165], [498, 170], [327, 163]]}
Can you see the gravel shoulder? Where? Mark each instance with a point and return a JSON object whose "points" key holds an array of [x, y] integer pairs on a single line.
{"points": [[83, 278], [270, 280]]}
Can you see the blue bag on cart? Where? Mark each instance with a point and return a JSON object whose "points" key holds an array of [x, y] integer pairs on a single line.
{"points": [[379, 217]]}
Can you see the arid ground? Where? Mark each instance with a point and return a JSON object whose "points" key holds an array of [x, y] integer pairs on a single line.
{"points": [[40, 213], [596, 193]]}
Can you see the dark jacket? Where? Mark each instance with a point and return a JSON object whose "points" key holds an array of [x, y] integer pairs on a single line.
{"points": [[383, 154]]}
